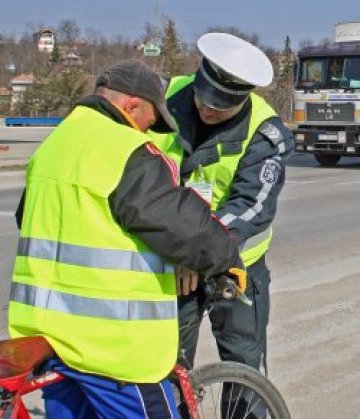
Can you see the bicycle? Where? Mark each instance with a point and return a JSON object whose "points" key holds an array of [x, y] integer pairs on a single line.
{"points": [[213, 390]]}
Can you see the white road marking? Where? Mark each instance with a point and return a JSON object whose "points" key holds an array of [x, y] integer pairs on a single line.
{"points": [[7, 214], [355, 182], [307, 182]]}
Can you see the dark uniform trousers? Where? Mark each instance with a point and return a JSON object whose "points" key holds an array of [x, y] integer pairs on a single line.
{"points": [[239, 330]]}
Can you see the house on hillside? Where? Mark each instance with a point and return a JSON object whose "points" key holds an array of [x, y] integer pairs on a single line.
{"points": [[5, 99], [72, 59], [45, 40], [5, 95], [18, 86]]}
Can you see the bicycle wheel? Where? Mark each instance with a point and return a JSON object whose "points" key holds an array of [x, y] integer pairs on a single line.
{"points": [[229, 390]]}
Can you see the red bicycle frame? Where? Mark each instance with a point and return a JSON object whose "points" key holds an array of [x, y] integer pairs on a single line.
{"points": [[19, 357]]}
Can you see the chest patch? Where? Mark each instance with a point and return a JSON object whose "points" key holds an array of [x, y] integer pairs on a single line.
{"points": [[270, 172]]}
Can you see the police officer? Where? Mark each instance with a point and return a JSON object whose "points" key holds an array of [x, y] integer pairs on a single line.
{"points": [[231, 146], [101, 221]]}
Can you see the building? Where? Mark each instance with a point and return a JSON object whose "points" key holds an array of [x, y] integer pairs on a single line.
{"points": [[72, 59], [5, 99], [45, 40], [18, 86]]}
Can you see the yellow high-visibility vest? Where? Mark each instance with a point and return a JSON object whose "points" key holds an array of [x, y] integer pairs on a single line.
{"points": [[221, 173], [100, 296]]}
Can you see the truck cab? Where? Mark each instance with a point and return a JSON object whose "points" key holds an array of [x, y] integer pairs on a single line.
{"points": [[327, 100]]}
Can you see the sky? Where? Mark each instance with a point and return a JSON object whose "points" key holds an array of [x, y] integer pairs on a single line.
{"points": [[272, 20]]}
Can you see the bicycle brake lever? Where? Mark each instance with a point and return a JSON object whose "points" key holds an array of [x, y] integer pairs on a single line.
{"points": [[245, 299]]}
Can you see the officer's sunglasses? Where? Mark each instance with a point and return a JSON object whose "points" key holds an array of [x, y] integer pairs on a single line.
{"points": [[201, 102]]}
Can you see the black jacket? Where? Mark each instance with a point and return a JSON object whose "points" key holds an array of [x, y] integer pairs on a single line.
{"points": [[172, 220], [260, 174]]}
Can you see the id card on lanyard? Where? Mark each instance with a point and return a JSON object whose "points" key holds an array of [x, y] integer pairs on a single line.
{"points": [[201, 186]]}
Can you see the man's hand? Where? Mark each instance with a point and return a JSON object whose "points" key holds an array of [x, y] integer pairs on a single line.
{"points": [[186, 280]]}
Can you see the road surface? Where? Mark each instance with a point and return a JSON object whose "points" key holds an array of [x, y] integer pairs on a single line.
{"points": [[314, 344]]}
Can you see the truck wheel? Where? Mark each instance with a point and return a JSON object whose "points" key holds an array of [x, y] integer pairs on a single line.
{"points": [[327, 159]]}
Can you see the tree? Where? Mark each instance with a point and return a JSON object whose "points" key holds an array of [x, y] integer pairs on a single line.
{"points": [[281, 91], [68, 32], [326, 42], [287, 48], [252, 38], [152, 33], [55, 89], [171, 50], [70, 85], [305, 43], [55, 55]]}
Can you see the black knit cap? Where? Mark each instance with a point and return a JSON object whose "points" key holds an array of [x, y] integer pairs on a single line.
{"points": [[134, 77]]}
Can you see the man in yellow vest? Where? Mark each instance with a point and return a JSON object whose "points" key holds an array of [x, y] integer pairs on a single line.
{"points": [[102, 221], [231, 146]]}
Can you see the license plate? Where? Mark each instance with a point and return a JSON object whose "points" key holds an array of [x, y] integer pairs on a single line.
{"points": [[327, 137]]}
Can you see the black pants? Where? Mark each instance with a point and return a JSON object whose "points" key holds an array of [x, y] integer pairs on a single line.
{"points": [[239, 330]]}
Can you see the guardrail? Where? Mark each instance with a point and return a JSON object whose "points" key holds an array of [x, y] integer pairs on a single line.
{"points": [[22, 121]]}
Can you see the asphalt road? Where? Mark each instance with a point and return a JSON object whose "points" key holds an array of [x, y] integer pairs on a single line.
{"points": [[314, 343]]}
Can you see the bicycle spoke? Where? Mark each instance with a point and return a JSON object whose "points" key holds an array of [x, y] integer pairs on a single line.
{"points": [[237, 400], [227, 390], [254, 405], [230, 398], [248, 404]]}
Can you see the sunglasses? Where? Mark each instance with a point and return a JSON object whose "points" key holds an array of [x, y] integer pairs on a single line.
{"points": [[200, 102]]}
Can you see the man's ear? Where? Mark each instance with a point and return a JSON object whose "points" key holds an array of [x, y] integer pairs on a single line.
{"points": [[132, 104]]}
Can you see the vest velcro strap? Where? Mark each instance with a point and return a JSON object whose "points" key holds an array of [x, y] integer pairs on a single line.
{"points": [[91, 257], [93, 307]]}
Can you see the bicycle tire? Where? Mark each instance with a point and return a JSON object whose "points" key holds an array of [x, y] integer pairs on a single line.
{"points": [[264, 397]]}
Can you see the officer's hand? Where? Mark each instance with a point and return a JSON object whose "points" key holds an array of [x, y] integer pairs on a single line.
{"points": [[186, 280], [240, 278]]}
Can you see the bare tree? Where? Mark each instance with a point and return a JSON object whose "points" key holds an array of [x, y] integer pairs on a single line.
{"points": [[68, 32], [152, 33], [305, 43], [325, 42]]}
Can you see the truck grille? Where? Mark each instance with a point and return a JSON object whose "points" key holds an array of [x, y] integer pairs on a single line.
{"points": [[330, 112]]}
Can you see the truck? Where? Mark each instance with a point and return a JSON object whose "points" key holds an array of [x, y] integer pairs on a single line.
{"points": [[326, 102]]}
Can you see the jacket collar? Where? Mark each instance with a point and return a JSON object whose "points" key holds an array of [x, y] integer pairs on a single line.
{"points": [[181, 106], [106, 108]]}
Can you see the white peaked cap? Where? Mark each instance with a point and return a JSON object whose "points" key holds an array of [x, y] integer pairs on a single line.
{"points": [[237, 57]]}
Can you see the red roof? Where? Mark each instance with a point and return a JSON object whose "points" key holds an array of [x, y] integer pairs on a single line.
{"points": [[25, 78]]}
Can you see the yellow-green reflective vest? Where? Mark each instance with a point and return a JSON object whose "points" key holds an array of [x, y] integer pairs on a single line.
{"points": [[221, 173], [102, 298]]}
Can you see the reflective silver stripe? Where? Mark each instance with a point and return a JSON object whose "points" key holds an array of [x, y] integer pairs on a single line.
{"points": [[255, 240], [256, 209], [281, 148], [251, 212], [92, 257], [228, 218], [92, 307]]}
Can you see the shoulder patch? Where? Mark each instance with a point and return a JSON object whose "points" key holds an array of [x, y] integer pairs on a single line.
{"points": [[270, 172], [271, 132]]}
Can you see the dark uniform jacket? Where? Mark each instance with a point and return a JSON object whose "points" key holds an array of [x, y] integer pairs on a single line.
{"points": [[260, 174], [172, 220]]}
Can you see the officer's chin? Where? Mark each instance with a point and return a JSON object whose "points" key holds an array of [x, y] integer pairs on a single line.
{"points": [[208, 119]]}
